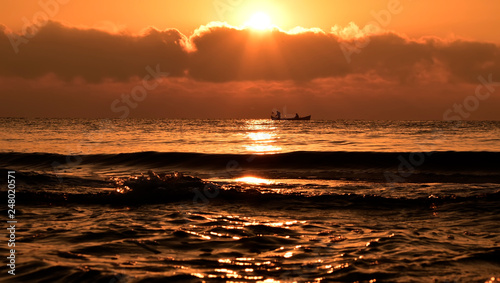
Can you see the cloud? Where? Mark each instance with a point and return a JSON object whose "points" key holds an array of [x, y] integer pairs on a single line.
{"points": [[352, 97], [229, 54], [93, 55], [221, 53]]}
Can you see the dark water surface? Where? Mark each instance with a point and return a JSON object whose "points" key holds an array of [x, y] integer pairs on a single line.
{"points": [[325, 201]]}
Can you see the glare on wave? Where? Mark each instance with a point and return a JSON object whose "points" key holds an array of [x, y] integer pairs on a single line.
{"points": [[254, 180]]}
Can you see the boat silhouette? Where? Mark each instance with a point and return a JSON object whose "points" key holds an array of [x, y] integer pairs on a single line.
{"points": [[291, 119]]}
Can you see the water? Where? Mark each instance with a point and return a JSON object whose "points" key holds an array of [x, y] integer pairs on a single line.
{"points": [[269, 201], [85, 136]]}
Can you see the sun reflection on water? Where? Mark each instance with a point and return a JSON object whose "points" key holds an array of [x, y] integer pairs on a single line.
{"points": [[254, 180], [262, 137]]}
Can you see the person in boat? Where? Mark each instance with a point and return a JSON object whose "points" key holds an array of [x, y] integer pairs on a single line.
{"points": [[296, 115], [278, 114]]}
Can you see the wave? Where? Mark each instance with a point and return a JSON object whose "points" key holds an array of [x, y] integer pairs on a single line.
{"points": [[450, 160], [163, 188], [393, 167]]}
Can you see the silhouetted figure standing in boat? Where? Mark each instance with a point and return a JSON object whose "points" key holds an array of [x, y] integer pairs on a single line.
{"points": [[296, 115], [278, 114]]}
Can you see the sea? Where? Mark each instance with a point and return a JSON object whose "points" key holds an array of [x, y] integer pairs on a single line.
{"points": [[157, 200]]}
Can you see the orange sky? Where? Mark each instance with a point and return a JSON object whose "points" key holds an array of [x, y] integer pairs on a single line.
{"points": [[423, 17], [372, 59]]}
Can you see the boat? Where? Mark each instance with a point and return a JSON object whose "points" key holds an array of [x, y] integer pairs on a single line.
{"points": [[305, 118]]}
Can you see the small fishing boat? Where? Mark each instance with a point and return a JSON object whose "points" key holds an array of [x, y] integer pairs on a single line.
{"points": [[291, 119]]}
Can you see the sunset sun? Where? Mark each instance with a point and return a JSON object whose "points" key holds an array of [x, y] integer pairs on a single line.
{"points": [[259, 21]]}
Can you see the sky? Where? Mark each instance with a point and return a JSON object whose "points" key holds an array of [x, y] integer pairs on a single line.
{"points": [[332, 59]]}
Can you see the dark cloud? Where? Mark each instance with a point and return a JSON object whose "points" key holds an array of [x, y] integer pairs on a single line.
{"points": [[351, 97], [226, 54], [465, 60], [220, 53], [92, 54]]}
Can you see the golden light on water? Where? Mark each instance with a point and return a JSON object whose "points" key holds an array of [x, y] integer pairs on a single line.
{"points": [[254, 180], [262, 137]]}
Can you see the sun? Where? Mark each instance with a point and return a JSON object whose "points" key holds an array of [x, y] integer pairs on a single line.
{"points": [[260, 21]]}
